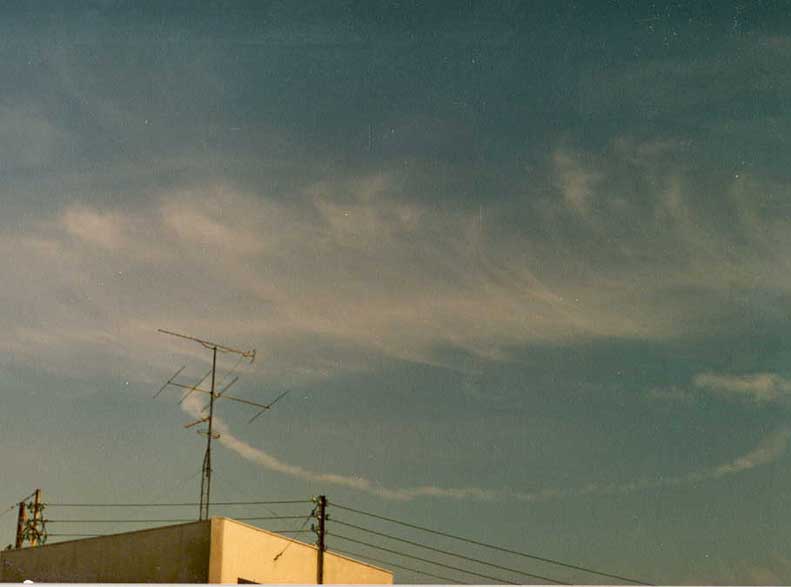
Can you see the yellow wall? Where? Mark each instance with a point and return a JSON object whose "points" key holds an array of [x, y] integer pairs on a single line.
{"points": [[173, 554], [219, 550], [246, 552]]}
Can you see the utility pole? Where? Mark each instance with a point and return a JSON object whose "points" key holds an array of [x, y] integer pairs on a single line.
{"points": [[321, 516], [34, 539], [30, 530], [20, 525]]}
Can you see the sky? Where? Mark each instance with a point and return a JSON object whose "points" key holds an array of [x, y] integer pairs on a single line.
{"points": [[522, 266]]}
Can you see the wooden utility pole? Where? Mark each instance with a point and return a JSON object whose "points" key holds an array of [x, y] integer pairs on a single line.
{"points": [[321, 515], [34, 539], [20, 525]]}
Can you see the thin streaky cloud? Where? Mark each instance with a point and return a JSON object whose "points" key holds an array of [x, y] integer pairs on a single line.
{"points": [[771, 448], [758, 387]]}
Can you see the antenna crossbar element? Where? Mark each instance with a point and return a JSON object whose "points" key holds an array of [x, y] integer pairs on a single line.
{"points": [[222, 396], [221, 392], [212, 345], [227, 387], [269, 405], [176, 374], [196, 422], [190, 388]]}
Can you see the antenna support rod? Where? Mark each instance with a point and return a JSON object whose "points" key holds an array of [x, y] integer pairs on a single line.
{"points": [[213, 345], [205, 484]]}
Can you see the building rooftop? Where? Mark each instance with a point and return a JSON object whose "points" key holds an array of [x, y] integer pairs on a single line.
{"points": [[218, 550]]}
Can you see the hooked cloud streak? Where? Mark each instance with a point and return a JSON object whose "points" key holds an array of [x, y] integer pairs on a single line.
{"points": [[769, 450], [194, 406]]}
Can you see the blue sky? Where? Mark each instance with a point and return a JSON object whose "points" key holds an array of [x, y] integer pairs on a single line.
{"points": [[524, 266]]}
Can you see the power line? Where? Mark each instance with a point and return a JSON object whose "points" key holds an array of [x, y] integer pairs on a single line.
{"points": [[181, 504], [105, 521], [269, 518], [392, 564], [492, 546], [301, 529], [10, 509], [167, 491], [61, 535], [425, 560], [448, 553], [16, 505]]}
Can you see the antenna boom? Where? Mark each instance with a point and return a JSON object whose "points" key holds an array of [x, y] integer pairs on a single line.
{"points": [[221, 395], [212, 345]]}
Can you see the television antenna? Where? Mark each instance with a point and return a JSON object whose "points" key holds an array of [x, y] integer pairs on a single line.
{"points": [[205, 487]]}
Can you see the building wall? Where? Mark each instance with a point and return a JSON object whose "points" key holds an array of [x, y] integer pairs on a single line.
{"points": [[219, 550], [245, 552], [172, 554]]}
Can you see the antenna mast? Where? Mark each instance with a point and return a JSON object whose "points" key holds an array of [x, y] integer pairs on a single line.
{"points": [[205, 480], [205, 485]]}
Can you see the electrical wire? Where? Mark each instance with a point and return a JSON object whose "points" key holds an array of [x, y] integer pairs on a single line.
{"points": [[10, 509], [448, 553], [104, 521], [425, 560], [269, 518], [59, 534], [181, 504], [492, 546], [16, 505], [392, 564], [301, 530], [241, 493], [161, 494]]}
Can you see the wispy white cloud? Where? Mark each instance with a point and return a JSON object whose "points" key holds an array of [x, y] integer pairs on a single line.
{"points": [[359, 263], [351, 267], [103, 229], [368, 270], [576, 182], [673, 393], [194, 406], [770, 449], [758, 387]]}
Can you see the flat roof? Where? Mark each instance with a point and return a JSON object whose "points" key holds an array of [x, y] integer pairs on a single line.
{"points": [[237, 522]]}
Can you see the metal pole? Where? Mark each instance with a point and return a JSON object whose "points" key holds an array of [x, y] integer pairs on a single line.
{"points": [[206, 480], [20, 525], [321, 514]]}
